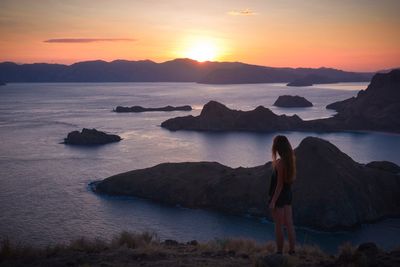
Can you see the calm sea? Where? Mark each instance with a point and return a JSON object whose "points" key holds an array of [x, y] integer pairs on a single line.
{"points": [[44, 197]]}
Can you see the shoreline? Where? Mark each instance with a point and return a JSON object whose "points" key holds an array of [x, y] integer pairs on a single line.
{"points": [[263, 219]]}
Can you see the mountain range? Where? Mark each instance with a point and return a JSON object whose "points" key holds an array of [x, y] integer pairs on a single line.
{"points": [[177, 70]]}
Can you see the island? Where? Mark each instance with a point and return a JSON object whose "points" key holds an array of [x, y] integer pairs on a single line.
{"points": [[289, 101], [300, 83], [121, 109], [2, 83], [375, 109], [312, 79], [90, 137], [217, 117], [352, 193]]}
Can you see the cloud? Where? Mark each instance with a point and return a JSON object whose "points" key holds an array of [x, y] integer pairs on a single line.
{"points": [[88, 40], [242, 12]]}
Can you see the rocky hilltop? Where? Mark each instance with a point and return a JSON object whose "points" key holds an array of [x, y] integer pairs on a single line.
{"points": [[90, 137], [331, 191], [121, 109], [376, 109], [217, 117], [289, 101]]}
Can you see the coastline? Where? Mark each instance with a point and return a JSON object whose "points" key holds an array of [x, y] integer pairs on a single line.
{"points": [[92, 188]]}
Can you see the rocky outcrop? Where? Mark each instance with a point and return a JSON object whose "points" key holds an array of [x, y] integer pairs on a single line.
{"points": [[340, 105], [2, 83], [289, 101], [217, 117], [121, 109], [89, 137], [376, 108], [331, 191]]}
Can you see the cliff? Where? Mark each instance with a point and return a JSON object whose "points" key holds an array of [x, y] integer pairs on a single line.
{"points": [[376, 108]]}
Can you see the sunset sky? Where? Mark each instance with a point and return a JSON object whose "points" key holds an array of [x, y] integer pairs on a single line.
{"points": [[360, 35]]}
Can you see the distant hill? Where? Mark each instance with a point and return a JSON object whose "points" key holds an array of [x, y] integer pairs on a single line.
{"points": [[177, 70]]}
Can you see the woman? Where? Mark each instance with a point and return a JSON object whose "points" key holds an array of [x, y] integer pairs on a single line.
{"points": [[280, 202]]}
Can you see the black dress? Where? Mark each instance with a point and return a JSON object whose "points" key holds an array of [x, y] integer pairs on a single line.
{"points": [[285, 197]]}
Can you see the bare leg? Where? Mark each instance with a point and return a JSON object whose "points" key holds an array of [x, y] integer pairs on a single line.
{"points": [[278, 215], [288, 221]]}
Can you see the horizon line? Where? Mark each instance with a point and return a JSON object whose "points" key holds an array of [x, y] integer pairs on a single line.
{"points": [[199, 62]]}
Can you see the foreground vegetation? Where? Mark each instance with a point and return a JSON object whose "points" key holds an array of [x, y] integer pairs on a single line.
{"points": [[146, 249]]}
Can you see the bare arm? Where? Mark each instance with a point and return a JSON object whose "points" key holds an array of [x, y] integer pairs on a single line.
{"points": [[279, 185]]}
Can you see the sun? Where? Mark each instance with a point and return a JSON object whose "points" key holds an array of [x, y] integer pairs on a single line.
{"points": [[202, 50]]}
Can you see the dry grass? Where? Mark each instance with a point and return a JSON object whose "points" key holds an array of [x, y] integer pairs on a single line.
{"points": [[238, 246], [146, 241], [346, 250], [147, 246], [17, 251], [135, 240], [310, 250]]}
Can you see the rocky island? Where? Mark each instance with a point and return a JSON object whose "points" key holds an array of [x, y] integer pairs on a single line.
{"points": [[217, 117], [121, 109], [332, 191], [90, 137], [375, 109], [289, 101], [311, 79]]}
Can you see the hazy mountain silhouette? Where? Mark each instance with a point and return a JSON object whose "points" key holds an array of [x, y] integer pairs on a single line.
{"points": [[177, 70]]}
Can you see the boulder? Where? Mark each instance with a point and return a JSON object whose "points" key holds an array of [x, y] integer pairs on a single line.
{"points": [[89, 137], [289, 101], [331, 191]]}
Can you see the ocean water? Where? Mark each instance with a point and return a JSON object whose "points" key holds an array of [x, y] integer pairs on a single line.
{"points": [[44, 195]]}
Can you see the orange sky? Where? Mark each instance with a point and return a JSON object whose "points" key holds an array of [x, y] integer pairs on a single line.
{"points": [[361, 35]]}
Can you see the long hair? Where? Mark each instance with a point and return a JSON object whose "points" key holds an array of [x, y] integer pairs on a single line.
{"points": [[282, 147]]}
